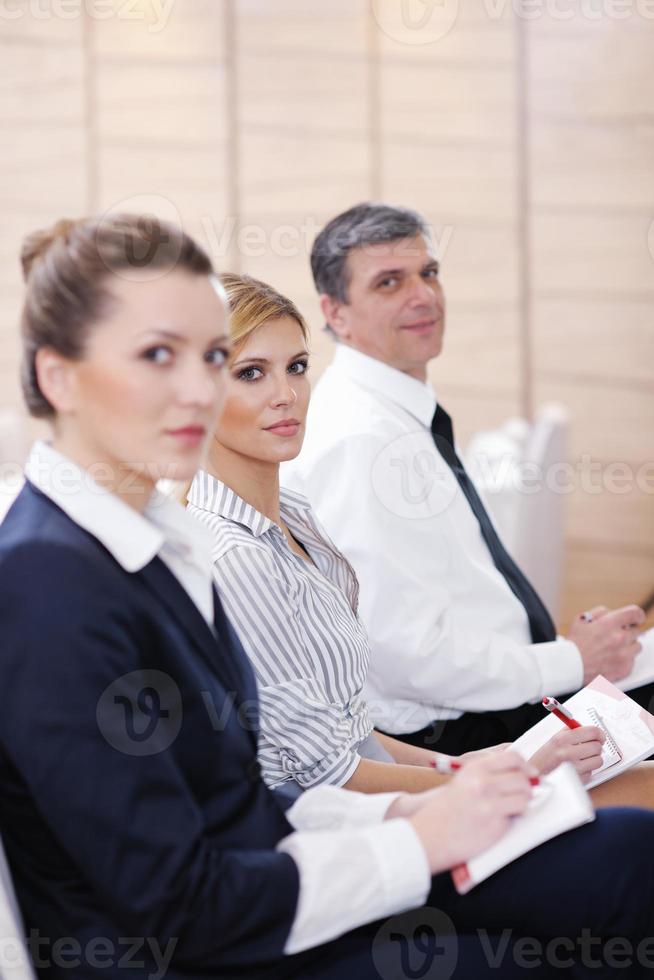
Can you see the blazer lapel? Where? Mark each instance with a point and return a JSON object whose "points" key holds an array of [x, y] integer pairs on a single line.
{"points": [[217, 650]]}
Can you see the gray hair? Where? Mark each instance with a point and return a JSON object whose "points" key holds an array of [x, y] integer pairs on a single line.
{"points": [[364, 224]]}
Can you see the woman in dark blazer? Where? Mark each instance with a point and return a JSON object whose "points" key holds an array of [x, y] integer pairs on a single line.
{"points": [[138, 831]]}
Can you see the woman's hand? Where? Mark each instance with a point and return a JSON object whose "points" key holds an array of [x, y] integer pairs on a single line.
{"points": [[457, 821], [481, 753], [580, 746]]}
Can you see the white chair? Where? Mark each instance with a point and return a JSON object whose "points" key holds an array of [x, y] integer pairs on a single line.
{"points": [[13, 452], [15, 963], [516, 469]]}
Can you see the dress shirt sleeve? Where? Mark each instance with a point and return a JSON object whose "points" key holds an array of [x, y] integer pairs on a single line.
{"points": [[419, 655], [384, 865], [332, 808], [309, 737]]}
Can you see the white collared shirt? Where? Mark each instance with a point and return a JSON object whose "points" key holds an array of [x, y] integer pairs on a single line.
{"points": [[134, 539], [446, 632], [298, 624], [381, 866]]}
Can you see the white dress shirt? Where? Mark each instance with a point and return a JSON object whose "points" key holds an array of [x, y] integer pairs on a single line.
{"points": [[446, 632], [298, 624], [354, 867]]}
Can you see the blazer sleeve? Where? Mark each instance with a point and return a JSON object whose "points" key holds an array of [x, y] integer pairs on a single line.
{"points": [[129, 823]]}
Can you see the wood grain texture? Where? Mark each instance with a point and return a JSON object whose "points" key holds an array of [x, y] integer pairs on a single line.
{"points": [[254, 122]]}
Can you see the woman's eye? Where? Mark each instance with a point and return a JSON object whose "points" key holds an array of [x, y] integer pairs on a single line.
{"points": [[216, 357], [158, 355], [250, 374], [298, 367]]}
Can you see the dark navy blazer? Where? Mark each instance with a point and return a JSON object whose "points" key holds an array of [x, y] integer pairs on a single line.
{"points": [[130, 798]]}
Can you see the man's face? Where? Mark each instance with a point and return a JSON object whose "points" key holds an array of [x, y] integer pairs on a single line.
{"points": [[396, 306]]}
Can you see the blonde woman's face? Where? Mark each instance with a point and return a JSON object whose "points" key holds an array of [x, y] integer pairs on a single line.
{"points": [[267, 394]]}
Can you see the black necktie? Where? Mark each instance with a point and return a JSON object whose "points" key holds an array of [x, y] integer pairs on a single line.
{"points": [[540, 622]]}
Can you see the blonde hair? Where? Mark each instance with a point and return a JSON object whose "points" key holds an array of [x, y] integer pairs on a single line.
{"points": [[252, 303]]}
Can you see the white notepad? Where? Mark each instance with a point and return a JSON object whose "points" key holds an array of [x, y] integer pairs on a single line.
{"points": [[630, 729], [643, 669], [560, 803]]}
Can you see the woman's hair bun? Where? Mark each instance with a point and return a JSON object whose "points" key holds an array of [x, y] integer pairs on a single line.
{"points": [[39, 242]]}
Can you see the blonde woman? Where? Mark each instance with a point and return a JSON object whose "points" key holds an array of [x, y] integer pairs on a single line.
{"points": [[290, 594]]}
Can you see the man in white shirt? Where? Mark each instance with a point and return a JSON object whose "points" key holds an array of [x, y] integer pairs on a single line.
{"points": [[462, 646]]}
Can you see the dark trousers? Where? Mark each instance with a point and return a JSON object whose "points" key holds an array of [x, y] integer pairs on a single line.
{"points": [[581, 905], [479, 730]]}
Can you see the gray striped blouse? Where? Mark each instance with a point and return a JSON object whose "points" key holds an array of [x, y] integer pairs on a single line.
{"points": [[299, 626]]}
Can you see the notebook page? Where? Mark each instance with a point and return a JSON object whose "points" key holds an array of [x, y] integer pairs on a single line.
{"points": [[631, 727], [559, 804]]}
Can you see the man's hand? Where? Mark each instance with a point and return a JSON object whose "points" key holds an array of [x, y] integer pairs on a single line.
{"points": [[457, 821], [607, 642], [580, 746]]}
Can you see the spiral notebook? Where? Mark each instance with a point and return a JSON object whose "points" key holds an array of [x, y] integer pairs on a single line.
{"points": [[629, 729], [559, 804]]}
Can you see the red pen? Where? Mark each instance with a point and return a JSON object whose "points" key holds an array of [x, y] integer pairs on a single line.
{"points": [[560, 712], [449, 766]]}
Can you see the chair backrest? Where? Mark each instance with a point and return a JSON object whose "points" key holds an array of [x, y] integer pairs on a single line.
{"points": [[515, 470], [15, 963], [13, 452], [540, 545]]}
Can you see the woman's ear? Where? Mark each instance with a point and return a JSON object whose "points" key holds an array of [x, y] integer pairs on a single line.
{"points": [[55, 375], [332, 310]]}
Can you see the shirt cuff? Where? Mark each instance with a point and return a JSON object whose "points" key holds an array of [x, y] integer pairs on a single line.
{"points": [[382, 870], [560, 665], [331, 808]]}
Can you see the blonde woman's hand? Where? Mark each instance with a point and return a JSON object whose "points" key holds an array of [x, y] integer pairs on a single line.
{"points": [[580, 746]]}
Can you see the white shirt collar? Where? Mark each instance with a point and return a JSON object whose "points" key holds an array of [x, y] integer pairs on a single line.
{"points": [[132, 538], [414, 396], [210, 494]]}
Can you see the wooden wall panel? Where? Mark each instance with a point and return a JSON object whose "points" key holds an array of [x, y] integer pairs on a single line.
{"points": [[595, 166], [304, 142], [607, 341], [603, 253], [451, 181], [607, 424], [256, 121], [592, 193], [173, 32], [449, 149], [604, 576], [161, 96], [42, 166], [293, 27]]}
